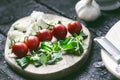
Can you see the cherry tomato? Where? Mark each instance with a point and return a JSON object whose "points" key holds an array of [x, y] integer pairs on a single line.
{"points": [[45, 35], [20, 49], [32, 42], [59, 31], [74, 27]]}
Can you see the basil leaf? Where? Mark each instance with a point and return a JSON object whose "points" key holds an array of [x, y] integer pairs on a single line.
{"points": [[84, 46], [37, 63], [36, 60], [43, 59], [47, 46], [70, 46], [46, 43], [57, 56], [41, 51], [83, 35], [35, 57], [67, 40], [52, 61], [75, 35], [58, 59], [81, 48], [71, 51], [23, 62], [56, 47]]}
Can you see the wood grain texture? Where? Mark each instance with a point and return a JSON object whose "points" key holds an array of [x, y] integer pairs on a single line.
{"points": [[69, 64]]}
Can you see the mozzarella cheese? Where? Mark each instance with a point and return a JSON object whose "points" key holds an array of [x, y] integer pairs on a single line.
{"points": [[15, 35], [22, 25], [24, 28]]}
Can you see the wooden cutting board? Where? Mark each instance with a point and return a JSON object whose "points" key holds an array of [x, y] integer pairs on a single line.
{"points": [[68, 65], [114, 36]]}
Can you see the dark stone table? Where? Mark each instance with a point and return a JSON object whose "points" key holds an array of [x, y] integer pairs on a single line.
{"points": [[11, 10]]}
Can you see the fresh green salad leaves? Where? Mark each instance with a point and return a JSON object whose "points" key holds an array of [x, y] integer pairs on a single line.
{"points": [[50, 53]]}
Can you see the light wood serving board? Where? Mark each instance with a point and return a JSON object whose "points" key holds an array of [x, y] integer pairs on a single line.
{"points": [[69, 64], [114, 36]]}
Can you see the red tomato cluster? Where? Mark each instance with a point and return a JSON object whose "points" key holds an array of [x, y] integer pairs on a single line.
{"points": [[59, 31], [74, 27], [20, 49], [45, 35], [32, 42]]}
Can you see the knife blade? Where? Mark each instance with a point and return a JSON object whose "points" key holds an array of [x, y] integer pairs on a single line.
{"points": [[107, 46]]}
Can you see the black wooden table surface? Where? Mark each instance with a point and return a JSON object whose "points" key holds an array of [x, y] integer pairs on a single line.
{"points": [[11, 10]]}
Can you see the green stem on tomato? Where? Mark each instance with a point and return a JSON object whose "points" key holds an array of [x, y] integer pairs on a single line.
{"points": [[40, 27]]}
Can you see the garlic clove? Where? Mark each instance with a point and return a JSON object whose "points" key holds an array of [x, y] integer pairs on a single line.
{"points": [[87, 10]]}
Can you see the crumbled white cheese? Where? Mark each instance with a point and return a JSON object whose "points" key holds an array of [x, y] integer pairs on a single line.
{"points": [[26, 27], [15, 35], [32, 30], [38, 17], [22, 25]]}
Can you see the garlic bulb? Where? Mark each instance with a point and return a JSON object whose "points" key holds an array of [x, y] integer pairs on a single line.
{"points": [[87, 10]]}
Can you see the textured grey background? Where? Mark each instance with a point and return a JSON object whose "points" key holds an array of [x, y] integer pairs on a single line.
{"points": [[11, 10]]}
